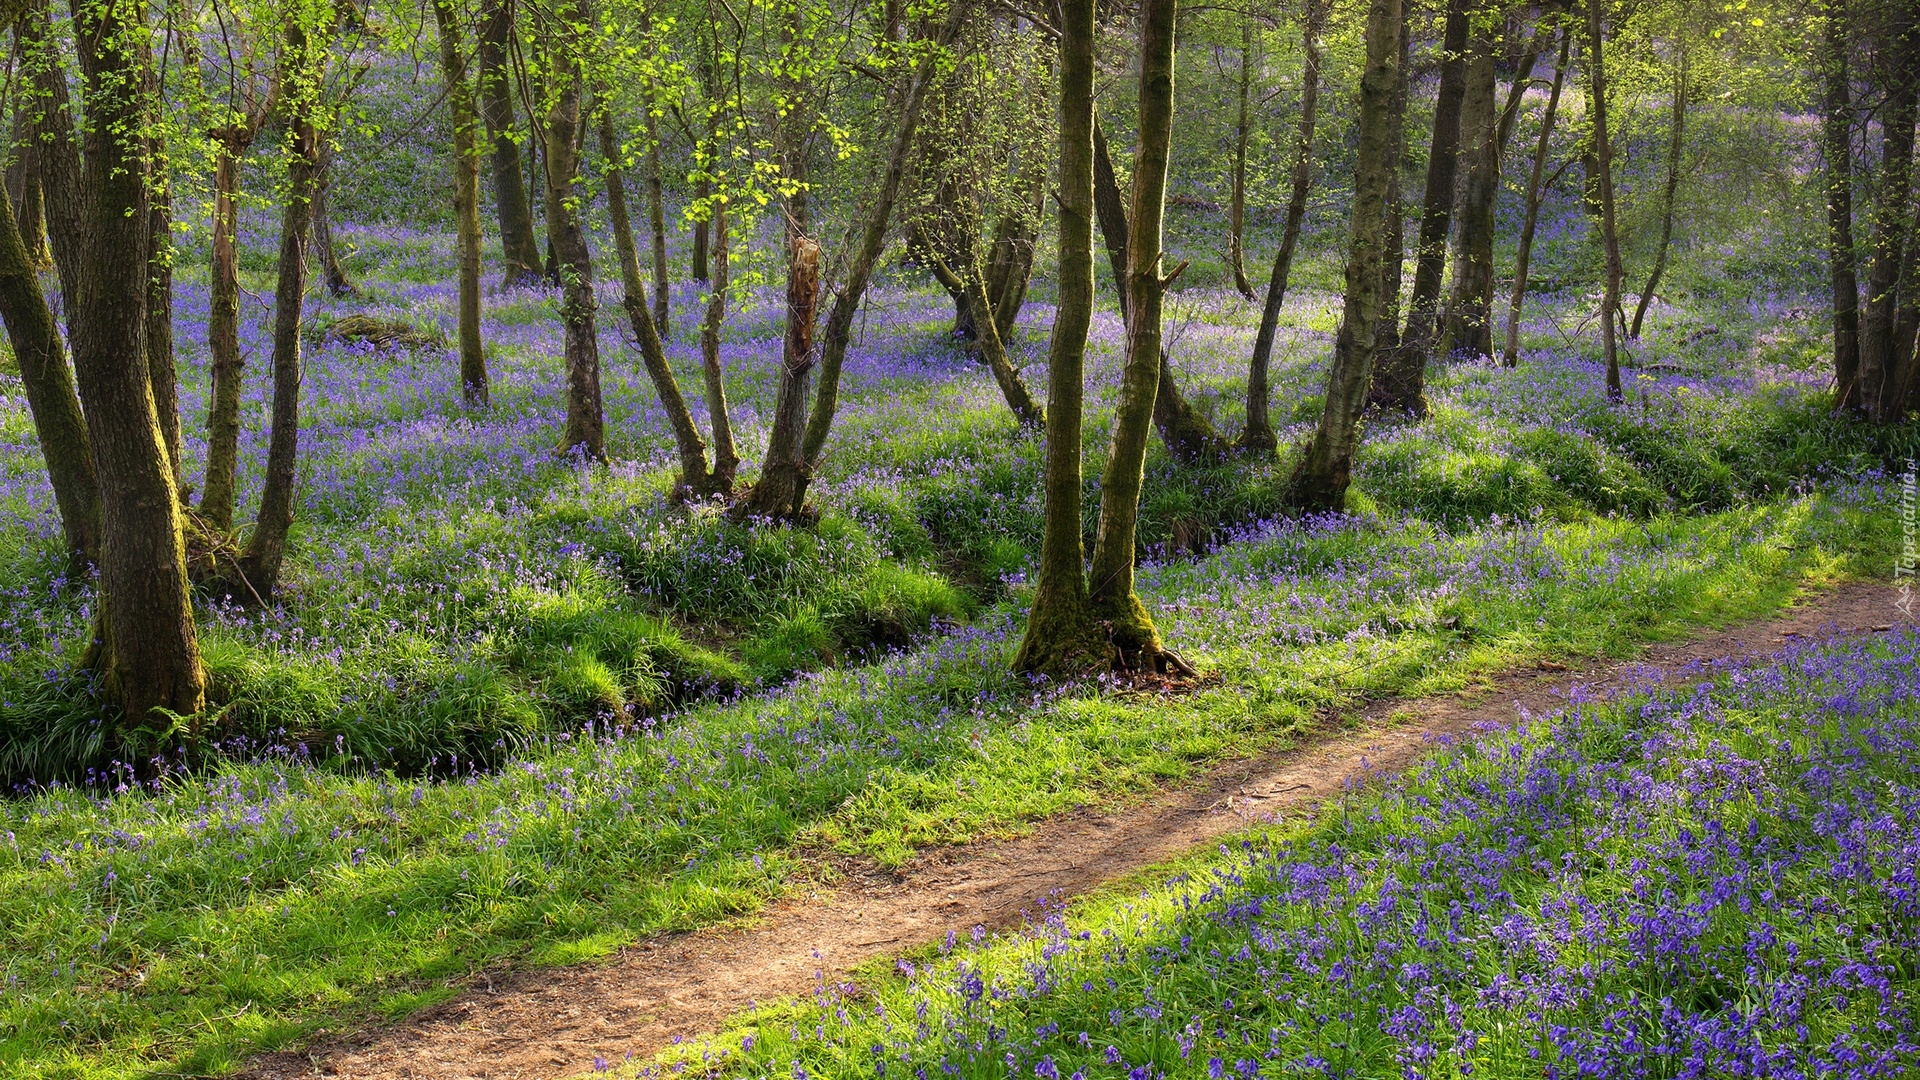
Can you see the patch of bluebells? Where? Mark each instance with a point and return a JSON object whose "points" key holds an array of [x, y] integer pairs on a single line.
{"points": [[1714, 877]]}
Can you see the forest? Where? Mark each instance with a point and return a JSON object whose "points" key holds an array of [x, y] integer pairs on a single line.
{"points": [[959, 538]]}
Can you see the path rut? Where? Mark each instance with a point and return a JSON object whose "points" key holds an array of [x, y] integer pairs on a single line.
{"points": [[538, 1024]]}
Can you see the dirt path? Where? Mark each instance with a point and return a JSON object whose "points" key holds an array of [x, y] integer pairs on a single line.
{"points": [[554, 1022]]}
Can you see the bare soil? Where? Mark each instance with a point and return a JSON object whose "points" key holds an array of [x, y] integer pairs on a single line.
{"points": [[520, 1025]]}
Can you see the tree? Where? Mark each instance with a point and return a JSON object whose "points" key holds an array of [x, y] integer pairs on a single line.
{"points": [[1676, 144], [1134, 641], [520, 252], [306, 27], [1062, 635], [1401, 385], [1259, 430], [145, 645], [466, 200], [1602, 181], [235, 121], [1320, 480], [585, 432], [1881, 380], [1510, 356], [1836, 131], [1242, 129]]}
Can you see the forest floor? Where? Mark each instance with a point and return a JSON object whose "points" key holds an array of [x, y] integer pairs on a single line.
{"points": [[565, 1021]]}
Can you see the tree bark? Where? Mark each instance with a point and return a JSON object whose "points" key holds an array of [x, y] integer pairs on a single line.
{"points": [[57, 421], [694, 479], [267, 548], [1259, 431], [1321, 479], [1062, 636], [1402, 384], [325, 252], [1603, 166], [63, 182], [726, 458], [520, 251], [702, 191], [1386, 339], [145, 643], [657, 219], [23, 187], [1676, 143], [466, 201], [1237, 205], [161, 370], [1135, 641], [1880, 374], [1836, 129], [1188, 436], [586, 424], [1466, 330], [1535, 181], [987, 344], [223, 328], [846, 301], [1906, 330]]}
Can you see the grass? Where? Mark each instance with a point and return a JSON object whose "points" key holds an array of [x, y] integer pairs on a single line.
{"points": [[1710, 880]]}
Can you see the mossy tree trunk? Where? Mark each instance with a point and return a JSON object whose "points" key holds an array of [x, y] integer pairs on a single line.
{"points": [[58, 423], [657, 218], [1536, 181], [63, 181], [1602, 178], [1062, 636], [1259, 435], [145, 645], [1836, 134], [1402, 384], [326, 253], [1134, 639], [227, 365], [1189, 436], [520, 251], [23, 187], [1321, 479], [162, 373], [466, 200]]}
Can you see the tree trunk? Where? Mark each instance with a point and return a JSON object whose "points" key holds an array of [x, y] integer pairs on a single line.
{"points": [[1237, 207], [1402, 384], [726, 458], [1259, 431], [23, 187], [657, 219], [1010, 263], [1465, 330], [1135, 641], [987, 344], [1320, 481], [57, 152], [1511, 356], [1603, 165], [326, 254], [1676, 142], [1880, 374], [161, 371], [466, 201], [694, 479], [145, 643], [223, 331], [846, 302], [267, 547], [1836, 130], [1393, 263], [519, 250], [1188, 436], [702, 191], [1906, 330], [1062, 636], [57, 420], [586, 424]]}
